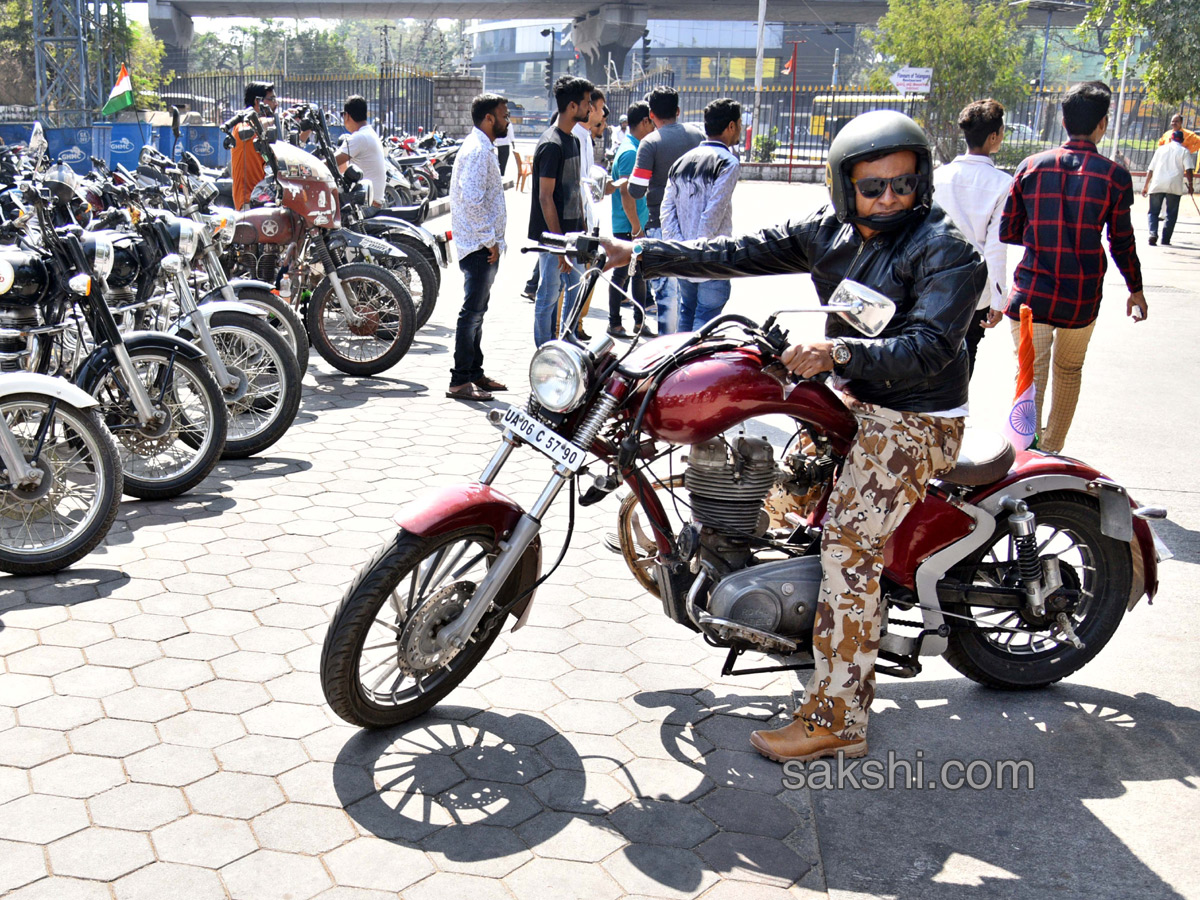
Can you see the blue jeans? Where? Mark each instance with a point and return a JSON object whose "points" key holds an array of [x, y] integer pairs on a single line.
{"points": [[700, 301], [665, 292], [1156, 202], [478, 275], [545, 306]]}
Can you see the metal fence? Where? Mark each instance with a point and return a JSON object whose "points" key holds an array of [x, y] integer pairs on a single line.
{"points": [[799, 125], [401, 99]]}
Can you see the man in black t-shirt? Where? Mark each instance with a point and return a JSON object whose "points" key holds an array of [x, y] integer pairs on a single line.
{"points": [[557, 199]]}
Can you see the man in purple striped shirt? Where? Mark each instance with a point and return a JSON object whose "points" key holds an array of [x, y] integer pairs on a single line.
{"points": [[1060, 202]]}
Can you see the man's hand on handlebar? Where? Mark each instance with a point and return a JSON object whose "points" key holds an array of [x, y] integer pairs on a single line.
{"points": [[807, 360], [618, 252]]}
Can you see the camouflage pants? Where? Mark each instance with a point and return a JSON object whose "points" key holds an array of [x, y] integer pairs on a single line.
{"points": [[894, 457]]}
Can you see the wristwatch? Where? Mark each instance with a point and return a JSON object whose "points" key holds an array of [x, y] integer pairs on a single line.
{"points": [[840, 353]]}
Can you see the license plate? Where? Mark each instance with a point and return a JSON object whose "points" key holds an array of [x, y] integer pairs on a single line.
{"points": [[543, 438]]}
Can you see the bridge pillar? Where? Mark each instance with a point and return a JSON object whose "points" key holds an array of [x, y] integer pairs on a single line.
{"points": [[174, 28], [614, 29]]}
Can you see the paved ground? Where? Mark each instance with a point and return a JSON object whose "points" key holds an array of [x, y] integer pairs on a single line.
{"points": [[162, 731]]}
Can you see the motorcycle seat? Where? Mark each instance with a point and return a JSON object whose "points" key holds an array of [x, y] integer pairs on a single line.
{"points": [[985, 457], [417, 160], [414, 214]]}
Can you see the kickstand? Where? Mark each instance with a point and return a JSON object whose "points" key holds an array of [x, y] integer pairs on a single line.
{"points": [[735, 652]]}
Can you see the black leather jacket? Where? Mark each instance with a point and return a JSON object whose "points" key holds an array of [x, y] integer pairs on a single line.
{"points": [[931, 272]]}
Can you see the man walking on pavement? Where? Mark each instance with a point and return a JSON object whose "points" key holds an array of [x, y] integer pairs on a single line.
{"points": [[656, 154], [1060, 202], [629, 219], [478, 219], [1165, 183], [557, 198], [972, 191], [698, 204]]}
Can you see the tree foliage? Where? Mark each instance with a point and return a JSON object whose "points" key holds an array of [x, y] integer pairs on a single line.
{"points": [[1170, 43], [262, 47], [974, 49]]}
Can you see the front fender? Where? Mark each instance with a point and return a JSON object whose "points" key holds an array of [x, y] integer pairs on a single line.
{"points": [[208, 308], [419, 232], [441, 510], [89, 374], [238, 283], [58, 388]]}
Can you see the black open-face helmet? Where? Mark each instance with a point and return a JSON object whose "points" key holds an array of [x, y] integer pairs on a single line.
{"points": [[869, 136]]}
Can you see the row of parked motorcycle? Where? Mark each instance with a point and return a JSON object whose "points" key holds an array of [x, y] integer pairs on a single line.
{"points": [[147, 332]]}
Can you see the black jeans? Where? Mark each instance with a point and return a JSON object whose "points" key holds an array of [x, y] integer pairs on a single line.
{"points": [[503, 150], [478, 275], [975, 334], [620, 276]]}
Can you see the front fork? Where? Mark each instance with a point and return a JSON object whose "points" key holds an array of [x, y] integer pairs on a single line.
{"points": [[194, 319], [512, 546], [339, 289], [21, 472], [1039, 577]]}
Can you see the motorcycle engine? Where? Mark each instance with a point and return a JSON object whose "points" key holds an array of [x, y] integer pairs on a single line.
{"points": [[260, 261], [728, 484], [14, 348], [776, 597]]}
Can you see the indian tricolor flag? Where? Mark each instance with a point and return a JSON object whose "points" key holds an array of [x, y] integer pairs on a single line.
{"points": [[1021, 427], [121, 96]]}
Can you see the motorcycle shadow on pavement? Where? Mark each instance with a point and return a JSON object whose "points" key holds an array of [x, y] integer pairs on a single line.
{"points": [[1112, 775], [66, 588]]}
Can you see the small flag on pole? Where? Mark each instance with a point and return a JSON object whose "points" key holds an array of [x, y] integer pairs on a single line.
{"points": [[791, 63], [121, 96], [1021, 427]]}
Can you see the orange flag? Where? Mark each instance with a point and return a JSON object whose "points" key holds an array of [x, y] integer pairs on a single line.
{"points": [[1021, 427]]}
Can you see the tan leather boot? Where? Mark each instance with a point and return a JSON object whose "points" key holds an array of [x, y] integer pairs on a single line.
{"points": [[803, 741]]}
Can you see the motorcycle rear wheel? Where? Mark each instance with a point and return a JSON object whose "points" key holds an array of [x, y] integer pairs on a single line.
{"points": [[283, 318], [386, 329], [426, 579], [1098, 566]]}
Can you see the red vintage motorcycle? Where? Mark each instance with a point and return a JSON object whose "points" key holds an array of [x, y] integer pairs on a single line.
{"points": [[1017, 566]]}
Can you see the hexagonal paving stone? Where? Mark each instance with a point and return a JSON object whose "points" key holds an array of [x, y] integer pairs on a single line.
{"points": [[144, 704], [748, 812], [113, 737], [77, 775], [494, 760], [296, 687], [228, 696], [662, 822], [170, 880], [478, 849], [42, 660], [369, 862], [61, 889], [226, 622], [590, 717], [206, 841], [522, 693], [571, 881], [137, 807], [102, 853], [122, 652], [300, 828], [198, 646], [14, 783], [558, 835], [93, 681], [150, 627], [61, 713], [23, 863], [607, 686], [444, 885], [234, 794], [752, 857], [258, 754], [41, 818], [542, 640], [173, 674], [579, 792], [247, 666], [76, 634], [170, 765], [267, 639], [663, 779], [200, 729], [655, 871], [489, 803], [269, 875], [27, 747], [289, 720], [17, 690], [743, 770], [594, 658]]}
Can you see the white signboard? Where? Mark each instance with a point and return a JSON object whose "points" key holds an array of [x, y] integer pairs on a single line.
{"points": [[911, 80]]}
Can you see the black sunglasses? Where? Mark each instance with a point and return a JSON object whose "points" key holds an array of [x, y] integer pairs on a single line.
{"points": [[902, 185]]}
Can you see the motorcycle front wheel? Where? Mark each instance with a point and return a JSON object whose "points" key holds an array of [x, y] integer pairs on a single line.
{"points": [[384, 327], [172, 457], [283, 318], [380, 663], [268, 398], [1097, 566], [47, 528]]}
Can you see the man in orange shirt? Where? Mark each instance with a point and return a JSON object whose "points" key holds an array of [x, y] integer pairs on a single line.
{"points": [[1191, 140], [246, 166]]}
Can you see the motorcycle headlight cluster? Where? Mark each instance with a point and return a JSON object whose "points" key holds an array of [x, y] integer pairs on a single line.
{"points": [[558, 376], [223, 222], [104, 255], [189, 239]]}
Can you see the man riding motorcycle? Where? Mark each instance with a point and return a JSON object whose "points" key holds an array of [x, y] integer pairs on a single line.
{"points": [[907, 388]]}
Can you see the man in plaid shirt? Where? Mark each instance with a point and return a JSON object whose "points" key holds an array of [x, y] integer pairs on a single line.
{"points": [[1060, 202]]}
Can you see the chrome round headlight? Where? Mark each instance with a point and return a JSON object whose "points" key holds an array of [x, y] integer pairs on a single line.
{"points": [[558, 376], [223, 223], [189, 239], [103, 257]]}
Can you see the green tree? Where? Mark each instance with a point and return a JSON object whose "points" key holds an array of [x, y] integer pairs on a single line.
{"points": [[16, 52], [1170, 41], [974, 49], [263, 46]]}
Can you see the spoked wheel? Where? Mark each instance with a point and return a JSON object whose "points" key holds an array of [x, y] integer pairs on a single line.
{"points": [[48, 527], [415, 273], [1097, 576], [283, 318], [267, 399], [424, 186], [381, 663], [165, 458], [635, 540], [383, 325]]}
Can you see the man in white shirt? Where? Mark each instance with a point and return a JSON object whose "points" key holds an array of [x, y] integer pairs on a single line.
{"points": [[1164, 182], [363, 147], [478, 219], [972, 191]]}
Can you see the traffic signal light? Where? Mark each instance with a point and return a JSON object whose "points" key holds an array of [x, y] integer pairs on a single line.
{"points": [[548, 75], [645, 48]]}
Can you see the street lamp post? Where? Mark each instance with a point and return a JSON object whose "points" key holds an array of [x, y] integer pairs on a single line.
{"points": [[1050, 7], [553, 35]]}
